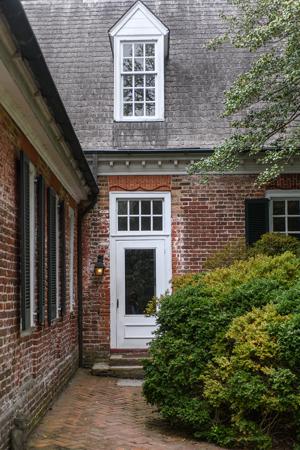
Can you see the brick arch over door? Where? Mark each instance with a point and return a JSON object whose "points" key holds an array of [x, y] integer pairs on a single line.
{"points": [[140, 183]]}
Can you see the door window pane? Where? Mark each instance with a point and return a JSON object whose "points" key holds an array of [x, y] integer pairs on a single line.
{"points": [[146, 207], [157, 207], [134, 224], [134, 207], [146, 223], [122, 207], [142, 215], [140, 279], [157, 223], [122, 224]]}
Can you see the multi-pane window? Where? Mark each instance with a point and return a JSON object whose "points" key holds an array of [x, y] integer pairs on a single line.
{"points": [[71, 257], [32, 212], [138, 74], [286, 216], [140, 215], [58, 238]]}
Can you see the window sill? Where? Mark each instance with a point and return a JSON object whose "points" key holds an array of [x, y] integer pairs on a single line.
{"points": [[136, 120], [28, 332]]}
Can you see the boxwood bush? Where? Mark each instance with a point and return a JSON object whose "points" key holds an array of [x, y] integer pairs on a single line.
{"points": [[225, 358], [270, 244]]}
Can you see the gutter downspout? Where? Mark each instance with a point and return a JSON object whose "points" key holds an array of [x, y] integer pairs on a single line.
{"points": [[81, 215]]}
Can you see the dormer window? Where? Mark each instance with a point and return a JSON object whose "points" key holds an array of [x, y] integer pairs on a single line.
{"points": [[140, 46], [139, 79]]}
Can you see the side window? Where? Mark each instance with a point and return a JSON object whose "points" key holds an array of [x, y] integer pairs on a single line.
{"points": [[52, 255], [27, 241], [61, 276], [285, 216], [57, 241], [71, 257], [41, 222], [274, 213], [56, 257]]}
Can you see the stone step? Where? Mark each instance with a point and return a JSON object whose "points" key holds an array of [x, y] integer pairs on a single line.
{"points": [[126, 360], [103, 369]]}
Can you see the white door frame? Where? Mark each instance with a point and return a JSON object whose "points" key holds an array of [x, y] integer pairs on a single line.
{"points": [[116, 237]]}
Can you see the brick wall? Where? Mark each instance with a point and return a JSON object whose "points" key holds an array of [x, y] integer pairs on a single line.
{"points": [[33, 367], [204, 218]]}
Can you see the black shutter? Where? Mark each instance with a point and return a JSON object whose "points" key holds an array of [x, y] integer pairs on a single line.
{"points": [[51, 255], [62, 254], [41, 249], [25, 241], [257, 219]]}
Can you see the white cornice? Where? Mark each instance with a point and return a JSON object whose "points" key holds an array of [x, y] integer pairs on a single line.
{"points": [[163, 164], [20, 97]]}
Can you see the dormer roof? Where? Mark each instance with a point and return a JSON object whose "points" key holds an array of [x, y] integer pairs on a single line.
{"points": [[140, 21]]}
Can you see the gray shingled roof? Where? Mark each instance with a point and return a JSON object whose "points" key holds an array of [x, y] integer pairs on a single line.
{"points": [[73, 35]]}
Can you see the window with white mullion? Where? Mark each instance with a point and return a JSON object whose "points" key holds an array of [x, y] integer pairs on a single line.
{"points": [[140, 215], [286, 216], [139, 79]]}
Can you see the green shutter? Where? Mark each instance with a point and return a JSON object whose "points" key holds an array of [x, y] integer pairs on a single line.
{"points": [[51, 255], [256, 218], [41, 249], [25, 241], [62, 254]]}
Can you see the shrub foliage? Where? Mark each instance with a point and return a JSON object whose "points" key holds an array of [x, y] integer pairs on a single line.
{"points": [[226, 357], [270, 244]]}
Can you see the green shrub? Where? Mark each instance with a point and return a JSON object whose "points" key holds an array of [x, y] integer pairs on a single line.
{"points": [[283, 268], [251, 382], [188, 279], [272, 244], [194, 326], [234, 250]]}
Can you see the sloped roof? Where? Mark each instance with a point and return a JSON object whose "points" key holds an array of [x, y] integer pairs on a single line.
{"points": [[29, 49], [73, 35]]}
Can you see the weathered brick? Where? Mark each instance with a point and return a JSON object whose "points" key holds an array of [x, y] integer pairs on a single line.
{"points": [[204, 218], [33, 368]]}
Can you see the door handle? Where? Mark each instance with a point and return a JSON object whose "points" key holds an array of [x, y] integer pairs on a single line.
{"points": [[117, 303]]}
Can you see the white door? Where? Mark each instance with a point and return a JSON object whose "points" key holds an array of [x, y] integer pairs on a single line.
{"points": [[141, 269]]}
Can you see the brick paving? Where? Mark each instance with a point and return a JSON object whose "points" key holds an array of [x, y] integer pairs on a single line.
{"points": [[95, 413]]}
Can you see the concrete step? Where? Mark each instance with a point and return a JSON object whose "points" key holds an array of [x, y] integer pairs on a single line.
{"points": [[103, 369]]}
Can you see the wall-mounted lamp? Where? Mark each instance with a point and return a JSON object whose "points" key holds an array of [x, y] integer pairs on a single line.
{"points": [[99, 267]]}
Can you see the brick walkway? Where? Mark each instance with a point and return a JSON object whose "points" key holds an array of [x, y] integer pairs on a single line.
{"points": [[95, 413]]}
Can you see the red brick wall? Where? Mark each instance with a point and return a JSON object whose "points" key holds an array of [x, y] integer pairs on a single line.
{"points": [[33, 368], [204, 218], [95, 293]]}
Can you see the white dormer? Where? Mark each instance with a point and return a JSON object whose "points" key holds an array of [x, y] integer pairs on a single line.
{"points": [[140, 43]]}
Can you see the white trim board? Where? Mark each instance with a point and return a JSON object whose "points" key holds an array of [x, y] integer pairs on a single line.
{"points": [[116, 237]]}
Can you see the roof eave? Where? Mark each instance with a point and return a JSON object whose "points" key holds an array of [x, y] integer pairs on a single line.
{"points": [[28, 46]]}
